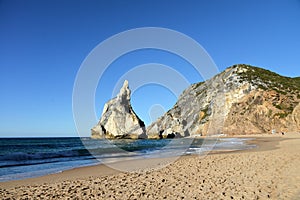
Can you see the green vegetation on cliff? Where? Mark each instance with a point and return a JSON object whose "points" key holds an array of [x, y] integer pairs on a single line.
{"points": [[268, 80]]}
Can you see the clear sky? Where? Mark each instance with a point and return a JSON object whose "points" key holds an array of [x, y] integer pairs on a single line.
{"points": [[43, 43]]}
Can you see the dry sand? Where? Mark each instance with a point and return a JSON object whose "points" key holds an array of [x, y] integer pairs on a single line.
{"points": [[271, 171]]}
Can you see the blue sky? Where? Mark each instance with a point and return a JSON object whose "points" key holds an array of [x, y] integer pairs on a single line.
{"points": [[43, 43]]}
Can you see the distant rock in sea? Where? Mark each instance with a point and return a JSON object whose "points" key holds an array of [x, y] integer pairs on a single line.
{"points": [[118, 119]]}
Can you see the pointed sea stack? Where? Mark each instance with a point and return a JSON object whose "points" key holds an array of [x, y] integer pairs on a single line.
{"points": [[118, 119]]}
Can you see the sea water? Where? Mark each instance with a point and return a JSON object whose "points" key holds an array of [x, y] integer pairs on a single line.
{"points": [[22, 158]]}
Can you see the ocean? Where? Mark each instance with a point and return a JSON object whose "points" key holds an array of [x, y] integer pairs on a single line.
{"points": [[22, 158]]}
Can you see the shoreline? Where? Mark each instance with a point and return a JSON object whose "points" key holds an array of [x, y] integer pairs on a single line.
{"points": [[270, 171], [105, 170]]}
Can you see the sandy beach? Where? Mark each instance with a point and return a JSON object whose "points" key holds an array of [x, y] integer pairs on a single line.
{"points": [[270, 171]]}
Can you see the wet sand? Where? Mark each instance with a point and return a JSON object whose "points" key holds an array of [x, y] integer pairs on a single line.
{"points": [[270, 171]]}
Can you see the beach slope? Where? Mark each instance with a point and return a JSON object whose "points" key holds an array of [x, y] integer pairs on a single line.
{"points": [[271, 171]]}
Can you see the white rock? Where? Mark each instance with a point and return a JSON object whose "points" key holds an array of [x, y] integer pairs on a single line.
{"points": [[118, 119]]}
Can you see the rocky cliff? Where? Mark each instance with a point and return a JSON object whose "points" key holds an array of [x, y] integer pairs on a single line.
{"points": [[241, 100], [118, 119]]}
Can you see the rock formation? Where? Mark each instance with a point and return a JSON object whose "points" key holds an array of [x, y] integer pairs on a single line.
{"points": [[241, 100], [118, 119]]}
